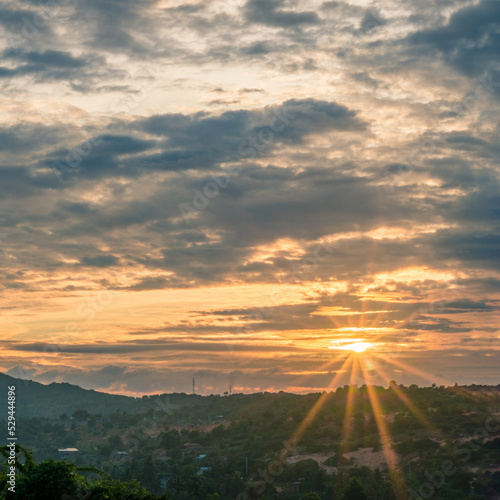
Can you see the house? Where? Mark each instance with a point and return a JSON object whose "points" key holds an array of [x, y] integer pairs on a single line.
{"points": [[122, 455], [67, 453], [201, 470]]}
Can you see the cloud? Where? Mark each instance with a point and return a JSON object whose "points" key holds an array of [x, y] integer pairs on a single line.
{"points": [[365, 78], [47, 58], [152, 283], [270, 12], [144, 346], [469, 40], [339, 126], [51, 65], [20, 21], [115, 26], [101, 261]]}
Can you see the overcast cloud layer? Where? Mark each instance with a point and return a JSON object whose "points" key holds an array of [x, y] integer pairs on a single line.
{"points": [[231, 190]]}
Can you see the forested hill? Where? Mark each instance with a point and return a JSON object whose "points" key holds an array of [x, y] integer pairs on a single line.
{"points": [[344, 445], [36, 399], [39, 400]]}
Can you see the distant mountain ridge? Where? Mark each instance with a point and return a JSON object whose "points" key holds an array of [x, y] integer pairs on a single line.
{"points": [[34, 399]]}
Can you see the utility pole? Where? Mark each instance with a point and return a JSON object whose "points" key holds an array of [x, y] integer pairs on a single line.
{"points": [[230, 389], [193, 385]]}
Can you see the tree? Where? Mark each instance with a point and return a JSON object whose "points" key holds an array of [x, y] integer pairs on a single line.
{"points": [[115, 441], [51, 480], [354, 491], [81, 414], [48, 480], [147, 474], [310, 496]]}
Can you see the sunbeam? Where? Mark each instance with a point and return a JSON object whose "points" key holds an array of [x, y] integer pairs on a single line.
{"points": [[351, 392], [409, 404], [385, 440], [319, 403], [420, 373]]}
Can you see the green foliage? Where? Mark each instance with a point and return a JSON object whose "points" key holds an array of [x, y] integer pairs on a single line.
{"points": [[354, 491], [310, 496], [115, 441], [54, 480], [417, 446], [254, 430], [117, 490], [48, 480]]}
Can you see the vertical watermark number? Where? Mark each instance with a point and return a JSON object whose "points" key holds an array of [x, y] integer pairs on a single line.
{"points": [[11, 437]]}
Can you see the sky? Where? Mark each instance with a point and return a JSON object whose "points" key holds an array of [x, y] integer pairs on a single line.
{"points": [[249, 193]]}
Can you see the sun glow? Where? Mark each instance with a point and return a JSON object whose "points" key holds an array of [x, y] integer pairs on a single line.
{"points": [[355, 346]]}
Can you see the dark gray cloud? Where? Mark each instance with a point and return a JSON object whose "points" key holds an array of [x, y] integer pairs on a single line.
{"points": [[467, 305], [365, 78], [48, 58], [101, 261], [469, 40], [117, 26], [476, 249], [145, 346], [271, 12], [20, 21], [232, 135], [51, 65]]}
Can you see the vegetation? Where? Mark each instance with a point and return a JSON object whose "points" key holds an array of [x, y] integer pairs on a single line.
{"points": [[446, 442]]}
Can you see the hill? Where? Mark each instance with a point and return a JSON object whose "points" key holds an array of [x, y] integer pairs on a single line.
{"points": [[38, 400], [283, 445]]}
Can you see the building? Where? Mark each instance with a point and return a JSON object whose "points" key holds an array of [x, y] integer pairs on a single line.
{"points": [[201, 470], [67, 453], [122, 455]]}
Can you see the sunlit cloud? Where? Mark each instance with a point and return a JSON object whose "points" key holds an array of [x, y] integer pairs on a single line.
{"points": [[249, 187]]}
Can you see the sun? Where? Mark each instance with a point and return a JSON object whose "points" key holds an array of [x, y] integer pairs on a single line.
{"points": [[355, 346]]}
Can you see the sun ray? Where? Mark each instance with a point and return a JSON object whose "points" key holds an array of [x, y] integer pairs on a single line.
{"points": [[331, 362], [418, 372], [319, 403], [409, 403], [428, 377], [347, 425], [396, 476]]}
